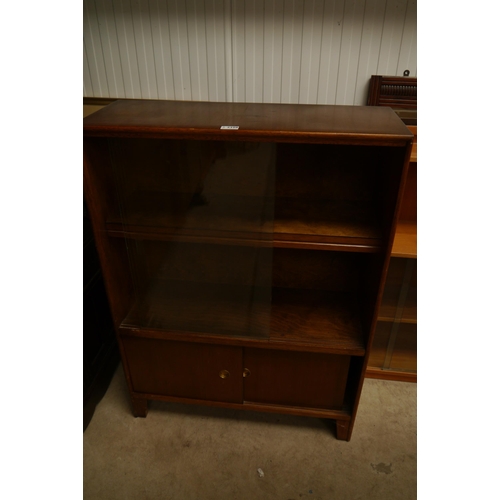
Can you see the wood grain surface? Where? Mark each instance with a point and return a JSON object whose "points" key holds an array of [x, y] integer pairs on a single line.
{"points": [[212, 225], [308, 317], [283, 122]]}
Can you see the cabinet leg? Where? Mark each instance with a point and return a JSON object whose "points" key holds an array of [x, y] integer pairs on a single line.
{"points": [[342, 429], [140, 407]]}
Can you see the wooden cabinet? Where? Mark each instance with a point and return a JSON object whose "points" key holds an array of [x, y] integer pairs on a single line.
{"points": [[182, 369], [299, 379], [245, 248]]}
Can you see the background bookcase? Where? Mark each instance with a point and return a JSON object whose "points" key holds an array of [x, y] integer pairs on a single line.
{"points": [[394, 350]]}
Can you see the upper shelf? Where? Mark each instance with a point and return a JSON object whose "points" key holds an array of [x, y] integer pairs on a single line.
{"points": [[293, 222], [249, 121]]}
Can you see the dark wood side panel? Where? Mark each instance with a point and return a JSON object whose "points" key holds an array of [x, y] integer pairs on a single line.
{"points": [[183, 369], [100, 198], [393, 180], [409, 201], [309, 380]]}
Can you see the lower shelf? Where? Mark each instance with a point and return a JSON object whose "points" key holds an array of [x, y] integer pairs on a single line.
{"points": [[311, 317]]}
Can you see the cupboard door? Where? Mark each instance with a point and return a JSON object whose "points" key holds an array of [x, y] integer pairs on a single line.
{"points": [[185, 370], [311, 380]]}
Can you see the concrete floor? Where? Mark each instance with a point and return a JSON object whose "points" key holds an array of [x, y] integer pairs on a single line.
{"points": [[190, 452]]}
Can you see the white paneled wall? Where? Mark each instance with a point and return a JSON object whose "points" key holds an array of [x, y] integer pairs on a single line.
{"points": [[293, 51]]}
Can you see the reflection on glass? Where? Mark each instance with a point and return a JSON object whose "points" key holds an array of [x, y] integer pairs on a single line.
{"points": [[199, 215], [203, 221], [395, 341]]}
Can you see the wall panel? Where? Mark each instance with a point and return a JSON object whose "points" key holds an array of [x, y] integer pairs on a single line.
{"points": [[273, 49], [290, 51], [392, 36], [141, 21], [371, 39], [95, 59], [408, 49], [352, 32], [162, 48], [311, 51], [216, 50], [88, 91], [331, 44], [126, 45]]}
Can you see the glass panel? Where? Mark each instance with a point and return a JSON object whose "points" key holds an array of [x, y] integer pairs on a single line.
{"points": [[404, 355], [399, 302], [380, 343], [197, 217], [395, 342], [328, 193], [317, 296]]}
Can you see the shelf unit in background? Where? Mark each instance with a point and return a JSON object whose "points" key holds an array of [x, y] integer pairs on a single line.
{"points": [[394, 350], [245, 267]]}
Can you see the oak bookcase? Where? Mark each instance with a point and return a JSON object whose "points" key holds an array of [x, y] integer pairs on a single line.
{"points": [[245, 247]]}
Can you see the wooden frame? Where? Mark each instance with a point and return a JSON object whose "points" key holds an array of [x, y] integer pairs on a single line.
{"points": [[322, 289]]}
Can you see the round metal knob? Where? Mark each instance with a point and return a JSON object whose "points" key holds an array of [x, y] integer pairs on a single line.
{"points": [[246, 372], [223, 374]]}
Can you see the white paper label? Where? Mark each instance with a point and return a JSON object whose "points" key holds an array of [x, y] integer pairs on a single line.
{"points": [[230, 127]]}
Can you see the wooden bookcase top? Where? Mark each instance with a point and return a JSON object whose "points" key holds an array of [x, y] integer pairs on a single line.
{"points": [[255, 121]]}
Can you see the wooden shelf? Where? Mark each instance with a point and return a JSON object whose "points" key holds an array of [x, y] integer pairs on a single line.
{"points": [[405, 240], [292, 222], [409, 321], [306, 318], [329, 221], [317, 317], [394, 375]]}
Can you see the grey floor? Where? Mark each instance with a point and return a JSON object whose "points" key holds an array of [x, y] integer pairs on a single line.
{"points": [[191, 452]]}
